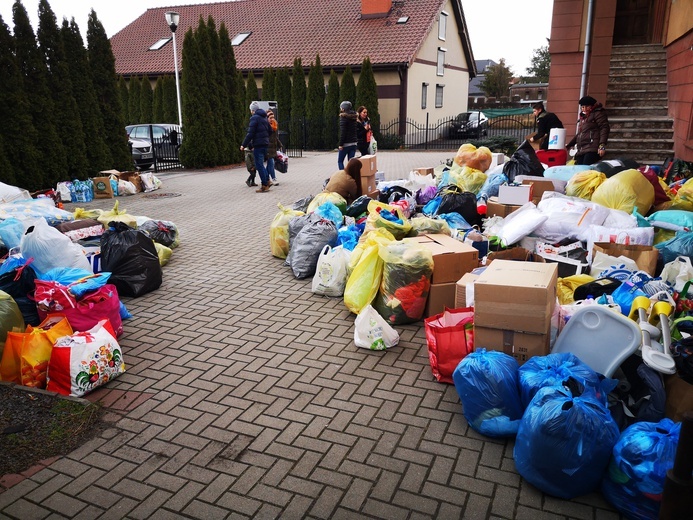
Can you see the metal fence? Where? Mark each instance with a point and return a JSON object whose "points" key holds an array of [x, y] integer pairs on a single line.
{"points": [[166, 153]]}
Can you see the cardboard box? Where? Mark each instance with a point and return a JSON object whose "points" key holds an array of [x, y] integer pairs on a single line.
{"points": [[368, 184], [369, 165], [451, 258], [102, 188], [375, 195], [517, 195], [538, 188], [496, 159], [464, 294], [644, 256], [518, 254], [496, 209], [522, 346], [424, 171], [379, 176], [440, 296], [518, 296], [133, 177]]}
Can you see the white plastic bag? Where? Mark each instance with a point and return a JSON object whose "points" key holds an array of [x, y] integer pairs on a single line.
{"points": [[150, 182], [373, 146], [678, 272], [520, 223], [371, 331], [602, 261], [63, 189], [331, 271], [126, 188], [50, 248]]}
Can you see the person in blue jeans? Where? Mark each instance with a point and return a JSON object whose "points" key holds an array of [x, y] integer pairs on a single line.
{"points": [[347, 133], [258, 137]]}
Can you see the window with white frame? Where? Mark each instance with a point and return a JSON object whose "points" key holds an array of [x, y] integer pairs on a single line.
{"points": [[424, 95], [239, 38], [440, 65], [439, 95], [442, 25], [160, 43]]}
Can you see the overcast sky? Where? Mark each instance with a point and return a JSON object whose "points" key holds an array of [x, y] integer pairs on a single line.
{"points": [[498, 28]]}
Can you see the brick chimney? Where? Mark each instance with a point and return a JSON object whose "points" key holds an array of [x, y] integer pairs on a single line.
{"points": [[375, 8]]}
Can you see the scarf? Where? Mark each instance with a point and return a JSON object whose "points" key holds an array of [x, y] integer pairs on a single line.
{"points": [[273, 124]]}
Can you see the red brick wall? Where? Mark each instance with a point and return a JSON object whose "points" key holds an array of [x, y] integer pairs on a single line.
{"points": [[680, 83]]}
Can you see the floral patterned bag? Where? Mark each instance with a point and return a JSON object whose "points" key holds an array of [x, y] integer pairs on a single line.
{"points": [[85, 360]]}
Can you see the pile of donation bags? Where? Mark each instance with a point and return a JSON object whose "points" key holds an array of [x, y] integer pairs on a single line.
{"points": [[60, 288]]}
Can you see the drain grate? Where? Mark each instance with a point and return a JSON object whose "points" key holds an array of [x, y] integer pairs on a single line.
{"points": [[161, 195]]}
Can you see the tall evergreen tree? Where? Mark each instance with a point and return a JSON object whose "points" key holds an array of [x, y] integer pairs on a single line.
{"points": [[220, 105], [134, 105], [298, 102], [146, 100], [158, 103], [282, 93], [59, 83], [268, 84], [102, 64], [197, 151], [347, 89], [19, 138], [52, 160], [98, 154], [170, 100], [6, 170], [124, 95], [315, 103], [331, 111], [367, 95], [251, 94], [235, 101], [243, 108]]}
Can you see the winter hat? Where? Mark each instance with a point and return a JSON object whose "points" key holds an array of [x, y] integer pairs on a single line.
{"points": [[254, 106], [345, 105], [587, 101]]}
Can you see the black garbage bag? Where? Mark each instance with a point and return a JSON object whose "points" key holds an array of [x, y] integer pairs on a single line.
{"points": [[455, 200], [523, 162], [611, 167], [640, 396], [358, 207], [19, 283], [130, 256], [393, 194], [162, 232]]}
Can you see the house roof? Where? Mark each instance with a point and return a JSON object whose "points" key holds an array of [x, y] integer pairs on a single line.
{"points": [[284, 30]]}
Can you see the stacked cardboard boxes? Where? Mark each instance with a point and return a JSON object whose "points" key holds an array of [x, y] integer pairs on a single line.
{"points": [[514, 302], [451, 260], [369, 167]]}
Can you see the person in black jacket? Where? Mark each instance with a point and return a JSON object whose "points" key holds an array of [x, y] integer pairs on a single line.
{"points": [[347, 133], [363, 130], [258, 137], [545, 122]]}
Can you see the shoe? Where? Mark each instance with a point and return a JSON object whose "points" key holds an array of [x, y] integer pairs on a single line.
{"points": [[253, 183], [248, 183], [270, 183], [263, 189], [275, 182]]}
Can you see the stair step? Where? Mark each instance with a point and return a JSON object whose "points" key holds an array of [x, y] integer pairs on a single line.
{"points": [[642, 72], [635, 144], [626, 88], [619, 61], [663, 133], [633, 102], [636, 80], [636, 112], [645, 123]]}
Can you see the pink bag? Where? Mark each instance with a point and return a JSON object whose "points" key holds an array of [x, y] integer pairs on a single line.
{"points": [[94, 307]]}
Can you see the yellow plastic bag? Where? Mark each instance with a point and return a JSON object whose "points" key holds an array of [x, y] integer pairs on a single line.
{"points": [[81, 213], [626, 191], [428, 226], [327, 196], [115, 215], [11, 319], [279, 230], [583, 184], [164, 253], [476, 158], [375, 220], [366, 270], [565, 287], [468, 179], [684, 197]]}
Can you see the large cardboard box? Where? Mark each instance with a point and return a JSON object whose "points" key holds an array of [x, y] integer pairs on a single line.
{"points": [[440, 296], [644, 256], [516, 195], [520, 345], [464, 294], [496, 209], [451, 258], [368, 184], [539, 186], [424, 171], [369, 165], [517, 296], [134, 178]]}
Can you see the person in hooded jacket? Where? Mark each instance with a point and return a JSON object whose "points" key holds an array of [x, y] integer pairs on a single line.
{"points": [[347, 182], [545, 122], [347, 133], [592, 133], [258, 136]]}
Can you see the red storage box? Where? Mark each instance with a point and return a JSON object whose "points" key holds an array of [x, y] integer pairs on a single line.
{"points": [[552, 157]]}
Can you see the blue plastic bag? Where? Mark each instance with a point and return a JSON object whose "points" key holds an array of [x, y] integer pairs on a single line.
{"points": [[455, 220], [491, 185], [487, 384], [431, 208], [78, 281], [349, 236], [564, 441], [680, 245], [11, 231], [552, 370], [625, 294], [641, 458], [330, 211]]}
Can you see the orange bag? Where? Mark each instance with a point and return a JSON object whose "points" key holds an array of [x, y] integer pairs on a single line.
{"points": [[26, 355], [450, 337]]}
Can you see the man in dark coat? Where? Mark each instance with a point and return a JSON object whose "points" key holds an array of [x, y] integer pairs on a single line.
{"points": [[593, 132], [545, 122], [347, 133], [258, 137]]}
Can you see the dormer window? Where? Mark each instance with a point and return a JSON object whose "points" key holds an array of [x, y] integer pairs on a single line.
{"points": [[159, 44], [240, 38], [403, 19], [442, 25]]}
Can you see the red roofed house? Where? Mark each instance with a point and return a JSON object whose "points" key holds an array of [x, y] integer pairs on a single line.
{"points": [[420, 50]]}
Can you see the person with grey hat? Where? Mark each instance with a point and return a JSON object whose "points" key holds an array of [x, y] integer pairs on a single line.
{"points": [[592, 132], [257, 137], [347, 133]]}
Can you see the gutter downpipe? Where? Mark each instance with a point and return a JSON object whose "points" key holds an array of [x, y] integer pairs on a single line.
{"points": [[588, 48]]}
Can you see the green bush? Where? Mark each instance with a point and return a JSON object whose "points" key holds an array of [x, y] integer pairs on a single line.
{"points": [[390, 142]]}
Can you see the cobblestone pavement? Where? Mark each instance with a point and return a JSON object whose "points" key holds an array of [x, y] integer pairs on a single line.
{"points": [[246, 397]]}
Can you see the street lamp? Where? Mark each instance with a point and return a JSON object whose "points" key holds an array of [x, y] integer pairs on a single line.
{"points": [[172, 18]]}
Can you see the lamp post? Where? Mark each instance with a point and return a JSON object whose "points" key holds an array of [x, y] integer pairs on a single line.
{"points": [[172, 19]]}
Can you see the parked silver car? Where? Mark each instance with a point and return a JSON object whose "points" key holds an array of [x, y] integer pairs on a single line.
{"points": [[164, 139], [142, 154]]}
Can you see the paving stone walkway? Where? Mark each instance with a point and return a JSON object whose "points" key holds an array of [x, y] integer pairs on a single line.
{"points": [[245, 396]]}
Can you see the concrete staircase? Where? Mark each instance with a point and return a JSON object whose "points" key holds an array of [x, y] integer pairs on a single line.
{"points": [[636, 102]]}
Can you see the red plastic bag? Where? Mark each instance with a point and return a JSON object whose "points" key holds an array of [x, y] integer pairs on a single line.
{"points": [[450, 337], [94, 307]]}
